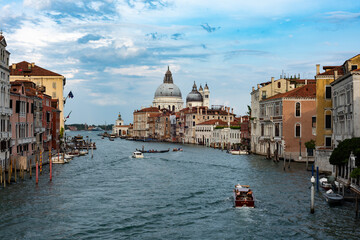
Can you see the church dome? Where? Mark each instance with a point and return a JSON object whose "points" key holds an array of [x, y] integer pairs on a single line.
{"points": [[194, 95], [168, 88]]}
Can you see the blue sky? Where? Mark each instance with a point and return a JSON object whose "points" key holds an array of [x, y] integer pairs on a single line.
{"points": [[115, 53]]}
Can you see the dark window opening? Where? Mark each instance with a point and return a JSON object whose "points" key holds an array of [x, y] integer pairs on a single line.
{"points": [[297, 130], [297, 109], [313, 122], [328, 121], [328, 141], [328, 92]]}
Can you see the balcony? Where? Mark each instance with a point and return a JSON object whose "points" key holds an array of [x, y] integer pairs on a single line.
{"points": [[26, 140], [39, 129], [5, 110]]}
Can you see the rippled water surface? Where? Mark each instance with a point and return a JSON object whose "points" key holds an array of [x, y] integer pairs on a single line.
{"points": [[174, 195]]}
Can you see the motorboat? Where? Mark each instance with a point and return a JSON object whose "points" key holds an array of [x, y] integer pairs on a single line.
{"points": [[137, 154], [83, 153], [333, 198], [324, 183], [243, 196], [59, 159], [238, 152]]}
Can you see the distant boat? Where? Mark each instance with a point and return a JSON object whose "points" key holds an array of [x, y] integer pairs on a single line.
{"points": [[324, 183], [177, 150], [238, 152], [137, 154], [153, 151]]}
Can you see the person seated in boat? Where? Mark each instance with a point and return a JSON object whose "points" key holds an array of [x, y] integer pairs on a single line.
{"points": [[249, 193]]}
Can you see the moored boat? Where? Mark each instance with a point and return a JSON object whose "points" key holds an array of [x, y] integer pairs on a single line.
{"points": [[238, 152], [137, 154], [333, 198], [153, 151], [243, 196], [324, 183]]}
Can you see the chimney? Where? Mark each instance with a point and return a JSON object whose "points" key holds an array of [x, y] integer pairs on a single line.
{"points": [[258, 86], [305, 81], [335, 74], [272, 79], [232, 110], [253, 88], [317, 69], [32, 64], [272, 86], [13, 66]]}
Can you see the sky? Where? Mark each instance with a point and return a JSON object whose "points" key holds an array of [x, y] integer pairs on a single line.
{"points": [[114, 53]]}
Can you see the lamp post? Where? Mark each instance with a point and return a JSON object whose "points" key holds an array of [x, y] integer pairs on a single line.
{"points": [[300, 157]]}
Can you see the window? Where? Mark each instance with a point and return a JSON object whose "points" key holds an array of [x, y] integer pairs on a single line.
{"points": [[277, 129], [313, 122], [328, 92], [279, 84], [10, 103], [262, 129], [54, 95], [297, 130], [194, 124], [353, 67], [206, 96], [54, 85], [327, 141], [263, 94], [193, 116], [328, 121], [297, 109]]}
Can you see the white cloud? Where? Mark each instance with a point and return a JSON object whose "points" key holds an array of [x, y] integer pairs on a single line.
{"points": [[38, 4]]}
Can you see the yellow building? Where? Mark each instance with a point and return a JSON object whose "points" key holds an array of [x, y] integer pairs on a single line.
{"points": [[324, 106], [53, 82]]}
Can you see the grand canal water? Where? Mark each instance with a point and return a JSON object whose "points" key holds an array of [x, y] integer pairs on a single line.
{"points": [[174, 195]]}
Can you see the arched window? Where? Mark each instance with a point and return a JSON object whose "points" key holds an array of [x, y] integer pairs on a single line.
{"points": [[159, 107], [297, 109], [173, 108], [297, 130]]}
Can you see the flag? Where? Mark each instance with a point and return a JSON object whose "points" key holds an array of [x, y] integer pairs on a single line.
{"points": [[70, 95], [69, 114]]}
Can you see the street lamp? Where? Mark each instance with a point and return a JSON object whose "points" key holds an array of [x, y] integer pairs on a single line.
{"points": [[300, 157]]}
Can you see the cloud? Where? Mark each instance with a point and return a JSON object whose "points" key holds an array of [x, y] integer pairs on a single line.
{"points": [[155, 36], [177, 36], [88, 37], [235, 53], [209, 29], [342, 16]]}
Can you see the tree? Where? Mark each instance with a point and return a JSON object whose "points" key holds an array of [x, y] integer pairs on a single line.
{"points": [[340, 155]]}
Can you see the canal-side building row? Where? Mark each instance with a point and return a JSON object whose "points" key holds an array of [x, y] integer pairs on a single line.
{"points": [[5, 111]]}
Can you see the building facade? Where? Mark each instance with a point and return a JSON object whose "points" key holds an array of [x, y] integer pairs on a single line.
{"points": [[5, 110], [286, 123], [52, 82]]}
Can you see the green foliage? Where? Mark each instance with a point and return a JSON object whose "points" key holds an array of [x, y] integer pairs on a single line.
{"points": [[310, 144], [219, 127], [61, 134], [355, 173], [249, 110], [235, 127], [341, 154]]}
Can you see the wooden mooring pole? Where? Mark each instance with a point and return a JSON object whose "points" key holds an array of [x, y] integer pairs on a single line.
{"points": [[30, 167], [50, 164], [312, 206], [37, 170]]}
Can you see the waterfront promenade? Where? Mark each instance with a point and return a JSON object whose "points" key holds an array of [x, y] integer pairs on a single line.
{"points": [[174, 195]]}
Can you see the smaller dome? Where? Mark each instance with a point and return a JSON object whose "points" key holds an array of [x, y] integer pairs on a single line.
{"points": [[194, 95]]}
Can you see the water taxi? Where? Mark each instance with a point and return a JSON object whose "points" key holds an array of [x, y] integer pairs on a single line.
{"points": [[137, 154], [243, 196], [238, 152]]}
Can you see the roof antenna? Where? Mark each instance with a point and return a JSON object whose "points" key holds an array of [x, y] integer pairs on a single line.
{"points": [[1, 32]]}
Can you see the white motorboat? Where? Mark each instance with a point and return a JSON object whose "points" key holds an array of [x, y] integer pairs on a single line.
{"points": [[238, 152], [137, 154], [333, 198]]}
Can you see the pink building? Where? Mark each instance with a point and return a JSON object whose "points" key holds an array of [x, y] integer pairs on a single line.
{"points": [[22, 123], [287, 121]]}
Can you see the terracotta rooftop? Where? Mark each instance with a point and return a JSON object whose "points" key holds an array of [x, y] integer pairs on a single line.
{"points": [[306, 91], [330, 71], [149, 109], [213, 122], [27, 69]]}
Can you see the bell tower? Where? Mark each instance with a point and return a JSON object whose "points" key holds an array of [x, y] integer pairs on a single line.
{"points": [[206, 96]]}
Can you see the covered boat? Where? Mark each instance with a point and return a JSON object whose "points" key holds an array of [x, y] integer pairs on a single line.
{"points": [[243, 196], [238, 152], [137, 154]]}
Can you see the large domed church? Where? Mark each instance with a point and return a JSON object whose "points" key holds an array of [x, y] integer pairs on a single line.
{"points": [[168, 95]]}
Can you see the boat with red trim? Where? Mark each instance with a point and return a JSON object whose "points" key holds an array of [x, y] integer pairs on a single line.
{"points": [[243, 196]]}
